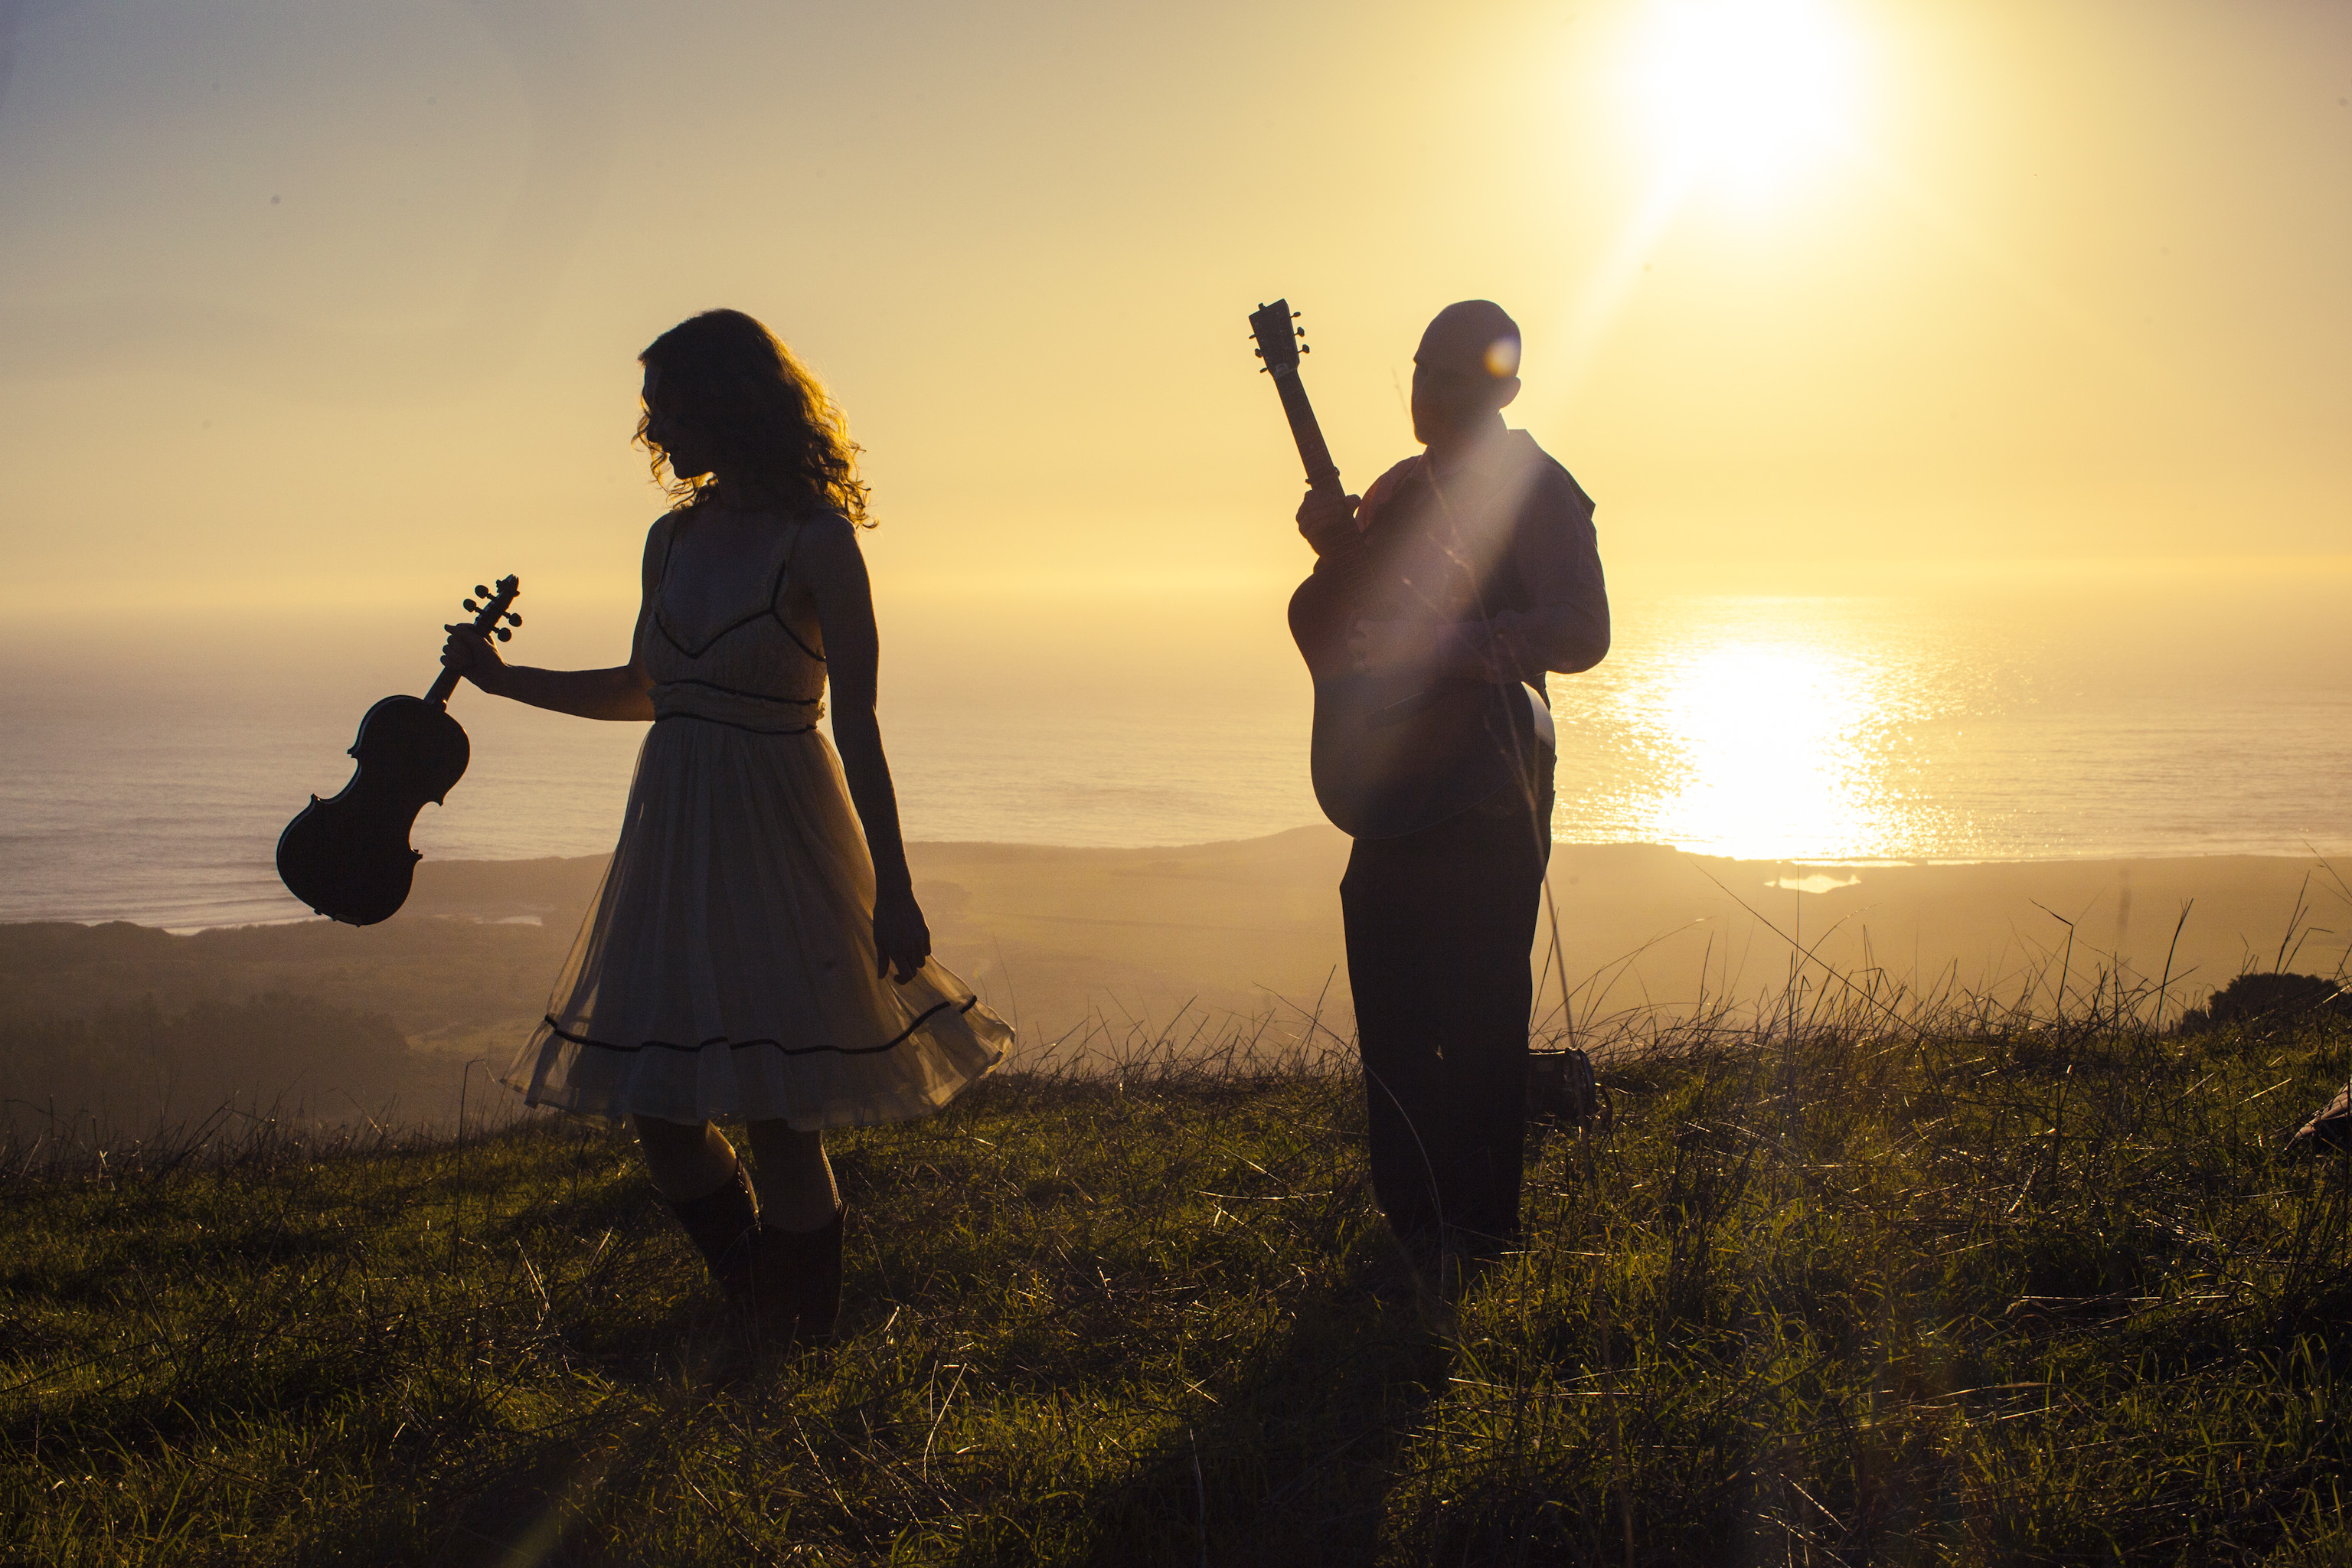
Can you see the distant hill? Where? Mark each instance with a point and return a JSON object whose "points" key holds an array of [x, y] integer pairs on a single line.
{"points": [[128, 1028]]}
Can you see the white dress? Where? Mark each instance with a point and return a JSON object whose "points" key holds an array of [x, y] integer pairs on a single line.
{"points": [[726, 966]]}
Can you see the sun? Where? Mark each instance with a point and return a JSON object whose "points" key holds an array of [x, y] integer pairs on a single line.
{"points": [[1749, 92]]}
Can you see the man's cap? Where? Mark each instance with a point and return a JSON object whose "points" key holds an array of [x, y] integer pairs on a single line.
{"points": [[1474, 337]]}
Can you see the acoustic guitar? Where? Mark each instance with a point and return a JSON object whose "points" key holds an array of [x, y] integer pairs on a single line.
{"points": [[347, 857], [1395, 751]]}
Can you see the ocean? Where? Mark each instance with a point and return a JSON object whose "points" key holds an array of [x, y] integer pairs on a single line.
{"points": [[1812, 729]]}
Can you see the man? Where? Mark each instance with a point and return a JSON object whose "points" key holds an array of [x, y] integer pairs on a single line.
{"points": [[1469, 571]]}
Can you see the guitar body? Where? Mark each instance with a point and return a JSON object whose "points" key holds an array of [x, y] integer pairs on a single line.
{"points": [[347, 857], [1393, 754]]}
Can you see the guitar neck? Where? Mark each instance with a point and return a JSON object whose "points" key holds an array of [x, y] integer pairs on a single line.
{"points": [[1322, 473]]}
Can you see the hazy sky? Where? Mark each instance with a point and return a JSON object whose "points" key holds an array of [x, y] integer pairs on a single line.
{"points": [[338, 304]]}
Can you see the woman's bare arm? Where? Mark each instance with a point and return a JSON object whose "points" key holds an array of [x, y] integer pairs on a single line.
{"points": [[828, 562], [623, 693]]}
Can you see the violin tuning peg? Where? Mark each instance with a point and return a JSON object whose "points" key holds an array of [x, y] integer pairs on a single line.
{"points": [[471, 606], [513, 619], [505, 635], [485, 593]]}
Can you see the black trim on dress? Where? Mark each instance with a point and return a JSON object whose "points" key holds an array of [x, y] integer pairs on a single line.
{"points": [[747, 729], [792, 553], [717, 637], [787, 626], [775, 590], [731, 691], [560, 1032]]}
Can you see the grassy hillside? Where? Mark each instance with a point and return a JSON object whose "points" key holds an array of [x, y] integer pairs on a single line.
{"points": [[432, 977], [117, 1028], [1945, 1289], [211, 1071]]}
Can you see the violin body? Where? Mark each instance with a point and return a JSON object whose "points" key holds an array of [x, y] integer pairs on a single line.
{"points": [[347, 857]]}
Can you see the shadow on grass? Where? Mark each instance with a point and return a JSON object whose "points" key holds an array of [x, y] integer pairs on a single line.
{"points": [[1291, 1459], [544, 1504], [571, 1497], [582, 1488]]}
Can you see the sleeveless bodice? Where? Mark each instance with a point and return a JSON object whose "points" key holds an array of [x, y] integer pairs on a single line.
{"points": [[725, 644]]}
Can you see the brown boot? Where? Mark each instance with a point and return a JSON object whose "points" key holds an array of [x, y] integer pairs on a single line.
{"points": [[725, 1227], [796, 1282]]}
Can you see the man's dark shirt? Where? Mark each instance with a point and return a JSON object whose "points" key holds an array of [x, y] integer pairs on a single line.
{"points": [[1501, 552]]}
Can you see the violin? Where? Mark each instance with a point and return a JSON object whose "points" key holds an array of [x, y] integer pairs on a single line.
{"points": [[347, 857]]}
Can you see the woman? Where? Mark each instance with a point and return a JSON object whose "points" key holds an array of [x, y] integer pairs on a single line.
{"points": [[749, 954]]}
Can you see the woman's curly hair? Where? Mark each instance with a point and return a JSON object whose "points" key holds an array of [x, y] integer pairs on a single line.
{"points": [[764, 416]]}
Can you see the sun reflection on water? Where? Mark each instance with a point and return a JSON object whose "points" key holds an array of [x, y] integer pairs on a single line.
{"points": [[1767, 730], [1769, 743]]}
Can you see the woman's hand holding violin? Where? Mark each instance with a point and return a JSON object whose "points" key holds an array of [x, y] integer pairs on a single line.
{"points": [[473, 655], [901, 940]]}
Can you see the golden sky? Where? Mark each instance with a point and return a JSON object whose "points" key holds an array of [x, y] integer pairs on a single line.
{"points": [[338, 305]]}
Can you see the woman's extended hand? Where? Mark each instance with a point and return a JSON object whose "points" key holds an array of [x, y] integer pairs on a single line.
{"points": [[901, 940], [472, 655]]}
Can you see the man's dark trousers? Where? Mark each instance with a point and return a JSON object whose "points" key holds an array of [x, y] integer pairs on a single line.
{"points": [[1439, 925]]}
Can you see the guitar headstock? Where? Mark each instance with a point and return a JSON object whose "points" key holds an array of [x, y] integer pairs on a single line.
{"points": [[1278, 342], [487, 616]]}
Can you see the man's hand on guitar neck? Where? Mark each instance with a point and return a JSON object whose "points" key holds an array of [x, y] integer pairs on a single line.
{"points": [[1328, 521]]}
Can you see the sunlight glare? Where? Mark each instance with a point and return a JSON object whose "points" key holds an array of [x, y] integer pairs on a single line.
{"points": [[1747, 90], [1767, 745]]}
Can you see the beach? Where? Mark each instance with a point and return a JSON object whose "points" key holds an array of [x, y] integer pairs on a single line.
{"points": [[1094, 951]]}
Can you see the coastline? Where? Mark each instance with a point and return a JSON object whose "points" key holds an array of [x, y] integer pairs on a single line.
{"points": [[1097, 947]]}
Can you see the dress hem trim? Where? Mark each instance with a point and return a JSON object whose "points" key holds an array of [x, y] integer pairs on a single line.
{"points": [[560, 1032]]}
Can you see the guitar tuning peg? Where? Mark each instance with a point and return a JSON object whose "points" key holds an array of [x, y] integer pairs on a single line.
{"points": [[1257, 354], [505, 635], [513, 619], [1294, 315], [471, 606], [1305, 350]]}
